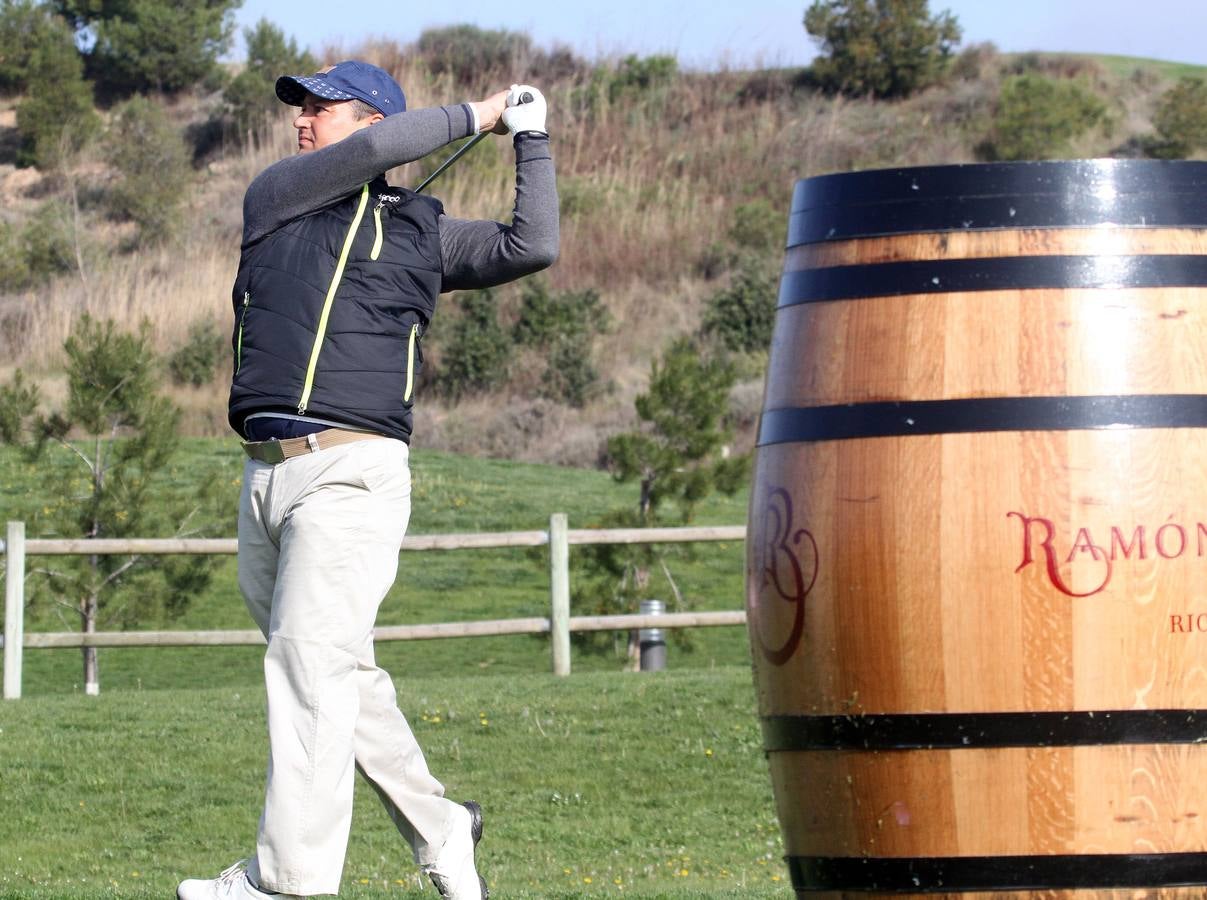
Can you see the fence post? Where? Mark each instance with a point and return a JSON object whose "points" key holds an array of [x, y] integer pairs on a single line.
{"points": [[559, 592], [14, 609]]}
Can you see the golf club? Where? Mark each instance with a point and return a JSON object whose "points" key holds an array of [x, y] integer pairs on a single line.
{"points": [[463, 149]]}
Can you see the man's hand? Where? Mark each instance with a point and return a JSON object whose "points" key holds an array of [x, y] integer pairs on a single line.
{"points": [[490, 113], [526, 109]]}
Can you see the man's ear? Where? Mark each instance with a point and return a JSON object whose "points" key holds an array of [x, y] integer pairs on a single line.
{"points": [[375, 118]]}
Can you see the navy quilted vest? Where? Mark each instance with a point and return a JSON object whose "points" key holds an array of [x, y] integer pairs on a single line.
{"points": [[329, 310]]}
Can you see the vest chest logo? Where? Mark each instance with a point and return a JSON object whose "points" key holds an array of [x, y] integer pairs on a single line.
{"points": [[389, 198]]}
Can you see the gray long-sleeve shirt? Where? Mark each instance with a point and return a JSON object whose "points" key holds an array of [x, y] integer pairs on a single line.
{"points": [[474, 253]]}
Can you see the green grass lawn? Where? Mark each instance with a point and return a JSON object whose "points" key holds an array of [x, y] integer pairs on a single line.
{"points": [[603, 783], [451, 494]]}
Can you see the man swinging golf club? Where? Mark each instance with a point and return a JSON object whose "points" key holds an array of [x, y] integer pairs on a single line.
{"points": [[338, 278]]}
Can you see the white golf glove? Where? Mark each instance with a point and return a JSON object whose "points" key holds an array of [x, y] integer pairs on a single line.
{"points": [[526, 110]]}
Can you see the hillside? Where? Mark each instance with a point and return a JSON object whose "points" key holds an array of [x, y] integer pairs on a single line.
{"points": [[668, 181]]}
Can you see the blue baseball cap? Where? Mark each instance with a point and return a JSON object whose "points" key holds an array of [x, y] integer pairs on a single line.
{"points": [[347, 80]]}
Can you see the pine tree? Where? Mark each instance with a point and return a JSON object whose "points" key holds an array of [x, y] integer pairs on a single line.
{"points": [[885, 48], [110, 448], [152, 45], [678, 457], [251, 97], [56, 117]]}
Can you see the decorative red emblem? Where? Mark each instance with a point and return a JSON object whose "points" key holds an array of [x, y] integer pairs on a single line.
{"points": [[779, 577]]}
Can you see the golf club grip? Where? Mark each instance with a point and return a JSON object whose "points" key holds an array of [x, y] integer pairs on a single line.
{"points": [[525, 97]]}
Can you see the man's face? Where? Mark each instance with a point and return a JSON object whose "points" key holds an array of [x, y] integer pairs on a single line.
{"points": [[321, 123]]}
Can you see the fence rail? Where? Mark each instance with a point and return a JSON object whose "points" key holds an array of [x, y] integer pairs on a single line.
{"points": [[559, 624]]}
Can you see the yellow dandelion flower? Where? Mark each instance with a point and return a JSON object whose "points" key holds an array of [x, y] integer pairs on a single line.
{"points": [[586, 879]]}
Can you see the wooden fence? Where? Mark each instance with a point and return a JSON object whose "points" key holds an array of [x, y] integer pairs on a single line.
{"points": [[559, 624]]}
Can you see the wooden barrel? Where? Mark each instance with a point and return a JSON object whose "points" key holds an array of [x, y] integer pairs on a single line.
{"points": [[977, 564]]}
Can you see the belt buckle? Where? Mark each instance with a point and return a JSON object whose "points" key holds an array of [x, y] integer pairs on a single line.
{"points": [[273, 452], [269, 451]]}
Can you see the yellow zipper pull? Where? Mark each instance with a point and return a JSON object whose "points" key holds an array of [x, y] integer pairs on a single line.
{"points": [[410, 385], [376, 251]]}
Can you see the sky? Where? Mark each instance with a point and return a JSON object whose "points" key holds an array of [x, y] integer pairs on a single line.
{"points": [[741, 34]]}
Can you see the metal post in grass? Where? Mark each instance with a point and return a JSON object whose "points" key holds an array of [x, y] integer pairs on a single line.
{"points": [[559, 592], [652, 641], [14, 609]]}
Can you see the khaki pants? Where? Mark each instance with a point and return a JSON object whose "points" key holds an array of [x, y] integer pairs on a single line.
{"points": [[318, 550]]}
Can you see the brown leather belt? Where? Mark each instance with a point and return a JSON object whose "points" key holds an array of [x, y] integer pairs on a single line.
{"points": [[275, 451]]}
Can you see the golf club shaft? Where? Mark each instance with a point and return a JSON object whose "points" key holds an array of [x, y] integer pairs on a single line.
{"points": [[465, 148]]}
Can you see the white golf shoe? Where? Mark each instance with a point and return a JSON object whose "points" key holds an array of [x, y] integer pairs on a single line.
{"points": [[453, 873], [231, 884]]}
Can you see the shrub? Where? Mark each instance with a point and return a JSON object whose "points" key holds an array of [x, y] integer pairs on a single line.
{"points": [[1038, 117], [548, 66], [48, 241], [569, 377], [767, 86], [544, 317], [1181, 119], [477, 350], [757, 229], [42, 247], [741, 317], [251, 96], [886, 48], [471, 55], [56, 117], [1057, 65], [195, 361], [975, 61], [14, 270], [151, 156], [564, 326], [758, 226], [636, 75]]}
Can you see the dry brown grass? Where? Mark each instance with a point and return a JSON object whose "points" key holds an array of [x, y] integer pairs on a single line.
{"points": [[162, 287], [648, 186]]}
